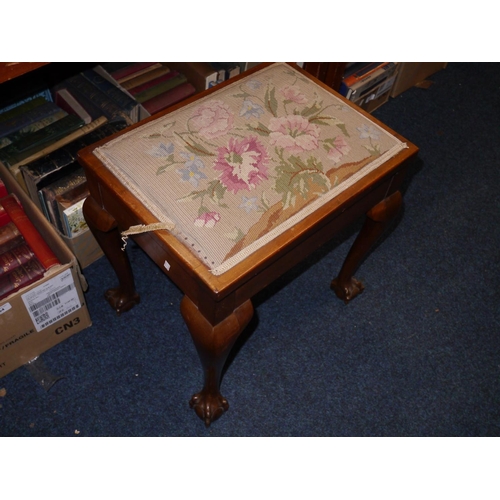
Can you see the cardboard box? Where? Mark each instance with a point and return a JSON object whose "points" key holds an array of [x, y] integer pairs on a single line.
{"points": [[45, 313], [85, 248], [411, 73]]}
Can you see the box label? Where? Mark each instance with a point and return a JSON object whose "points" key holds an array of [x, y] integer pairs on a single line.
{"points": [[6, 307], [52, 300]]}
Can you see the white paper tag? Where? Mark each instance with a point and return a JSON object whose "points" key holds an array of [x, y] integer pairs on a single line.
{"points": [[5, 308], [52, 300]]}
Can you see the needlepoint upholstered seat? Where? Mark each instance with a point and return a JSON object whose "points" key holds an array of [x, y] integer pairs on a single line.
{"points": [[232, 188]]}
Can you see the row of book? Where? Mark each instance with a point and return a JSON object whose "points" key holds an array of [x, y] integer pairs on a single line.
{"points": [[365, 83], [155, 86], [24, 254], [40, 137]]}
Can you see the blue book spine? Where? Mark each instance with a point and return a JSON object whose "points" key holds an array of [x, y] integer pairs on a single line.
{"points": [[113, 92], [81, 88]]}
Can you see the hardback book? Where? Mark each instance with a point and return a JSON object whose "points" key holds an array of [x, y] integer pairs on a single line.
{"points": [[221, 72], [66, 101], [146, 77], [70, 205], [226, 70], [46, 167], [10, 236], [72, 178], [135, 111], [158, 86], [15, 257], [232, 69], [30, 144], [70, 208], [374, 78], [133, 70], [200, 74], [359, 71], [169, 98], [31, 116], [15, 167], [89, 96], [20, 277], [4, 216], [3, 189], [44, 122], [123, 100], [45, 94], [29, 232], [22, 108]]}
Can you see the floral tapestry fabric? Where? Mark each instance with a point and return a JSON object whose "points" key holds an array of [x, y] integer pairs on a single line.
{"points": [[233, 170]]}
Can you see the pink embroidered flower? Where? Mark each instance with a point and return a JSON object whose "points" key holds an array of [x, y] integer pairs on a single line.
{"points": [[207, 219], [293, 133], [340, 148], [212, 119], [243, 164], [293, 93]]}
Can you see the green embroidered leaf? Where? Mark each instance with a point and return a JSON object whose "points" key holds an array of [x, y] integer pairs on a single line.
{"points": [[295, 177], [342, 127], [216, 191], [318, 121], [195, 147], [170, 160], [198, 149], [260, 129], [265, 202], [271, 101], [202, 210], [311, 110], [191, 196]]}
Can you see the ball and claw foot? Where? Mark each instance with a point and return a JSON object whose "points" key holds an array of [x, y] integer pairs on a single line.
{"points": [[348, 290], [209, 407], [121, 302]]}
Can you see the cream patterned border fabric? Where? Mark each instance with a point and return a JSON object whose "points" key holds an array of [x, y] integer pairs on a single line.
{"points": [[235, 169]]}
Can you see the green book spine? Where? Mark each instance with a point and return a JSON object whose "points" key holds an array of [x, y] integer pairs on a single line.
{"points": [[18, 151], [44, 122], [31, 116]]}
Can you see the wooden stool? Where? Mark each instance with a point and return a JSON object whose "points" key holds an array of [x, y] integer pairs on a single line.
{"points": [[232, 188]]}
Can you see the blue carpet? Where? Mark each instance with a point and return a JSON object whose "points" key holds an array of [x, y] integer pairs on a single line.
{"points": [[417, 354]]}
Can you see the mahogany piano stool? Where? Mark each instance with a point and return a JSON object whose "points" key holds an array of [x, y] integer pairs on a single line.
{"points": [[234, 186]]}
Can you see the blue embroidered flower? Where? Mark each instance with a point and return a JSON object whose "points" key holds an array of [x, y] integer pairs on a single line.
{"points": [[162, 150], [249, 204], [192, 160], [250, 109], [254, 84], [368, 132], [191, 171]]}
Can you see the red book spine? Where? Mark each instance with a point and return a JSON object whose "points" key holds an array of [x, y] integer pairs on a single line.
{"points": [[10, 237], [4, 217], [130, 70], [14, 258], [3, 189], [20, 277], [33, 238], [169, 98]]}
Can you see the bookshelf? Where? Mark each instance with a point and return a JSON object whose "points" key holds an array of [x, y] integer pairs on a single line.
{"points": [[11, 70]]}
